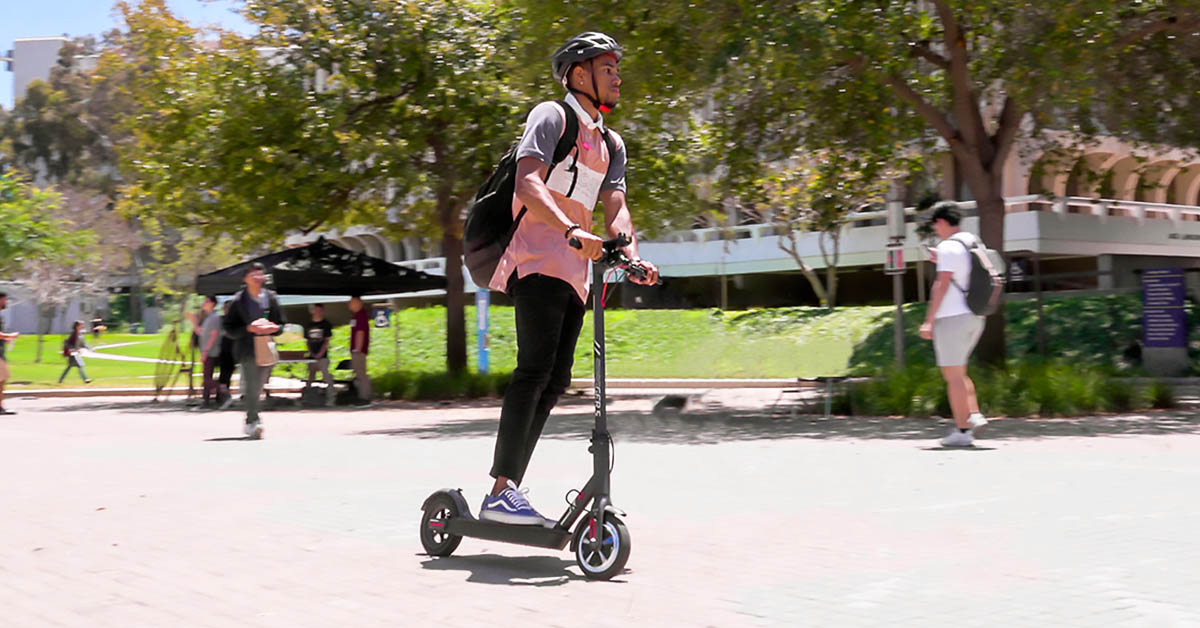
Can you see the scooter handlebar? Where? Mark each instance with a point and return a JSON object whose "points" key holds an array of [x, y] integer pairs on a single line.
{"points": [[614, 257]]}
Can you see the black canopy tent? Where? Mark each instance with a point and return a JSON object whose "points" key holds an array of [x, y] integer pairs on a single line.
{"points": [[323, 268]]}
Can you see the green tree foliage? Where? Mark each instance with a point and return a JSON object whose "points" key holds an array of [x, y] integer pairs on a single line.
{"points": [[64, 133], [877, 79], [62, 130], [335, 112], [44, 249], [31, 230], [812, 193]]}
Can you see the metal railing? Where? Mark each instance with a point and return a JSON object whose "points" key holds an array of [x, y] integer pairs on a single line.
{"points": [[1101, 207], [1059, 205]]}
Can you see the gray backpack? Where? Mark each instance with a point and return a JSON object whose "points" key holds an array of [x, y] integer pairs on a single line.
{"points": [[986, 282]]}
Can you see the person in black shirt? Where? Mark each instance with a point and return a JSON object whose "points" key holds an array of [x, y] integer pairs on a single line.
{"points": [[254, 316], [317, 333]]}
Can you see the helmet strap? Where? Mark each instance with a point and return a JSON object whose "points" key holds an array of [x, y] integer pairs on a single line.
{"points": [[595, 100]]}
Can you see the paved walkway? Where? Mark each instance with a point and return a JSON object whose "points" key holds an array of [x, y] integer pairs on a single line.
{"points": [[118, 512]]}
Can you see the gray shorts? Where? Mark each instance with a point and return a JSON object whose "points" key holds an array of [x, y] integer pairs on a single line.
{"points": [[954, 338]]}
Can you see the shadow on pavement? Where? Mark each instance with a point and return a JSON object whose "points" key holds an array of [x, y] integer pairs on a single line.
{"points": [[140, 405], [530, 571], [971, 448], [720, 425]]}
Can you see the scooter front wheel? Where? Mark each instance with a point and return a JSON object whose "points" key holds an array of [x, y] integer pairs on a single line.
{"points": [[434, 537], [601, 551]]}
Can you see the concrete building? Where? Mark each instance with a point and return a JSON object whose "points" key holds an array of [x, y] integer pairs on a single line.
{"points": [[32, 58]]}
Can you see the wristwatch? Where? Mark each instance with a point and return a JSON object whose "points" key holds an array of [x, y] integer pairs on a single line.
{"points": [[567, 235]]}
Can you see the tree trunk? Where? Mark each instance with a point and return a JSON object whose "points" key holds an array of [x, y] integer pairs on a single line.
{"points": [[44, 318], [991, 349], [831, 283], [456, 329]]}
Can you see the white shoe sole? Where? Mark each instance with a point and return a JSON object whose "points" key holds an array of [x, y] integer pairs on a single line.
{"points": [[511, 518], [255, 434]]}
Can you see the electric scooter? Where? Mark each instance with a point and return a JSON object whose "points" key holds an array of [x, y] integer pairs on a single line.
{"points": [[600, 541]]}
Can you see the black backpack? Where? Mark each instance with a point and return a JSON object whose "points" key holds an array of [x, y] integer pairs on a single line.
{"points": [[490, 224], [986, 282]]}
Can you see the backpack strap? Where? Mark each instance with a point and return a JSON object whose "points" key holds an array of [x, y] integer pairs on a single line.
{"points": [[566, 142], [968, 248]]}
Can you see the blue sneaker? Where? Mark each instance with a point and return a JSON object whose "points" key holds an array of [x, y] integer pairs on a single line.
{"points": [[510, 507]]}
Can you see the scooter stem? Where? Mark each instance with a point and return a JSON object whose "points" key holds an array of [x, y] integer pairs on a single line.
{"points": [[600, 444]]}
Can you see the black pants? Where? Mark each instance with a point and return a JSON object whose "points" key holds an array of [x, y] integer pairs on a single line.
{"points": [[549, 316], [226, 362], [211, 389]]}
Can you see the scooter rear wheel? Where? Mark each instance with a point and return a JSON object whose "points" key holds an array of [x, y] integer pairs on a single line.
{"points": [[605, 556], [434, 537]]}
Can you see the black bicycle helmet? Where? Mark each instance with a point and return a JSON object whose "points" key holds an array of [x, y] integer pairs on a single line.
{"points": [[580, 48]]}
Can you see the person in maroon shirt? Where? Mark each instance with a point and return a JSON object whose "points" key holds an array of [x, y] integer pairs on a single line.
{"points": [[360, 342]]}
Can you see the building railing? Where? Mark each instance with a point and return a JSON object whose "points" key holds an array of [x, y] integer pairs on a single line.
{"points": [[1102, 207], [1037, 202]]}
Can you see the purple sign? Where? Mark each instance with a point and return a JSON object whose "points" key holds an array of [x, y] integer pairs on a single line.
{"points": [[1164, 321]]}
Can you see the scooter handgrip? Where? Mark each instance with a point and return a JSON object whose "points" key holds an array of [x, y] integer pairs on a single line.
{"points": [[575, 243]]}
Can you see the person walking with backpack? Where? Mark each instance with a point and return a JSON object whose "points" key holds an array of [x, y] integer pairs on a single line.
{"points": [[73, 345], [552, 203], [952, 325], [253, 318]]}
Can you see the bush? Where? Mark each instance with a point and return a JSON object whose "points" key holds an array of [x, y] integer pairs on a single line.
{"points": [[1161, 396], [1025, 388], [411, 386]]}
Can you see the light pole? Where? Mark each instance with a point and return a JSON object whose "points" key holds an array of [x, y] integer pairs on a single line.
{"points": [[894, 265]]}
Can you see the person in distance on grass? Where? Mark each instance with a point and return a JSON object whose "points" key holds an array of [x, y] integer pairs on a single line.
{"points": [[951, 325], [547, 279], [73, 346], [5, 338]]}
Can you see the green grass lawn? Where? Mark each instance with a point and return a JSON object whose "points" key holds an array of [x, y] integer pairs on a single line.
{"points": [[778, 342], [28, 373], [768, 343]]}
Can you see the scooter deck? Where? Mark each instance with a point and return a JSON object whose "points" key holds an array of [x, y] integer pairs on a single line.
{"points": [[536, 536]]}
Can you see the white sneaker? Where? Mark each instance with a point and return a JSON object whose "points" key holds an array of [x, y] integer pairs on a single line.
{"points": [[976, 421], [958, 439], [254, 430]]}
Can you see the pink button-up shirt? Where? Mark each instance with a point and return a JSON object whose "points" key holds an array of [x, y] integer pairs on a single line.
{"points": [[538, 247]]}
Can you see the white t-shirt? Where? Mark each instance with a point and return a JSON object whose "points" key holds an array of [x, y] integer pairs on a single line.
{"points": [[953, 257]]}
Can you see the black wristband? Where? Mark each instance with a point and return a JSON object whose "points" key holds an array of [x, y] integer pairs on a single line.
{"points": [[567, 235]]}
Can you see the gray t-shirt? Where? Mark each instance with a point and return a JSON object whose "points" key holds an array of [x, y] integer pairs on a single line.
{"points": [[543, 129], [3, 343], [211, 323]]}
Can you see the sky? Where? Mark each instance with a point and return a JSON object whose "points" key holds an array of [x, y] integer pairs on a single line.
{"points": [[47, 18]]}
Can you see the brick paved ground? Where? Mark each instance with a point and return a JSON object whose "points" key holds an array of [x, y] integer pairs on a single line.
{"points": [[121, 513]]}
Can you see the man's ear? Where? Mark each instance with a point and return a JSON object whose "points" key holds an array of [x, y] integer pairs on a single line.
{"points": [[578, 67]]}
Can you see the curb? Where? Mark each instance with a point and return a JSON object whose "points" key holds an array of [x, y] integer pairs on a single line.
{"points": [[50, 393]]}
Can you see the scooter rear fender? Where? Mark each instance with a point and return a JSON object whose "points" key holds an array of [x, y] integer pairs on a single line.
{"points": [[454, 494]]}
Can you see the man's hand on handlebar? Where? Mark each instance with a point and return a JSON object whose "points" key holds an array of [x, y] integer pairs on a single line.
{"points": [[589, 245], [651, 277]]}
